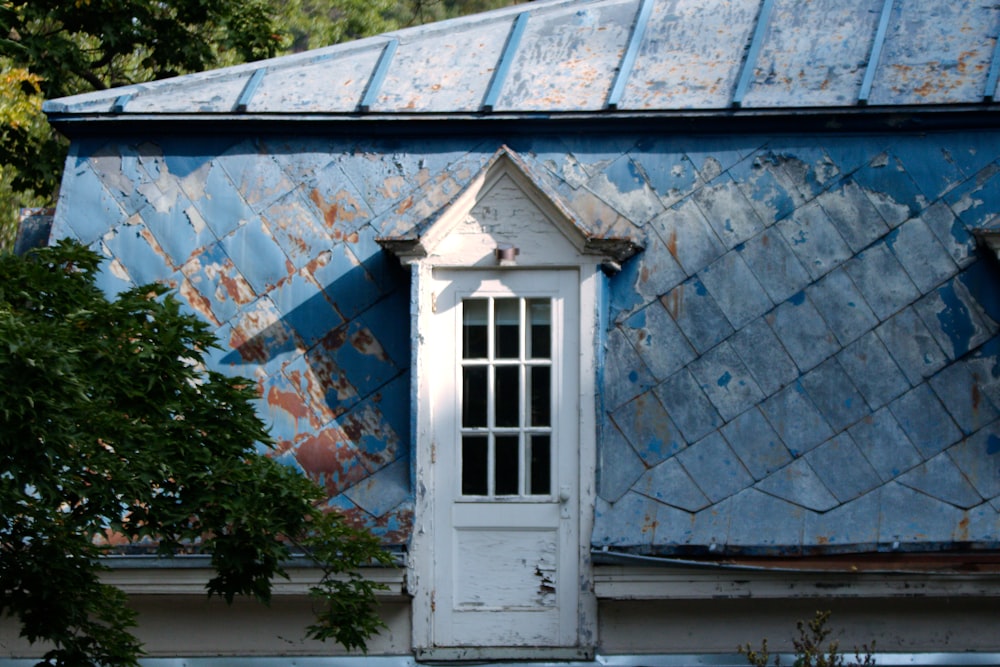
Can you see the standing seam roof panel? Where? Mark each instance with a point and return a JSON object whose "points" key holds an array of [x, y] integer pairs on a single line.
{"points": [[691, 55], [954, 70], [329, 84], [811, 54], [566, 60], [428, 76], [818, 64]]}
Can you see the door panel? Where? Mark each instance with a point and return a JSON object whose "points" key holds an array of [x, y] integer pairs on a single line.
{"points": [[506, 533]]}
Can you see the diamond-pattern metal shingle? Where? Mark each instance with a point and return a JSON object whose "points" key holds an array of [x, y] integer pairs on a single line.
{"points": [[804, 357], [814, 367]]}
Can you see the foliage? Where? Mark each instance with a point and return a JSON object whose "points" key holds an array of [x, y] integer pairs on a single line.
{"points": [[53, 48], [114, 435], [809, 651], [316, 23], [56, 48], [415, 12], [23, 131]]}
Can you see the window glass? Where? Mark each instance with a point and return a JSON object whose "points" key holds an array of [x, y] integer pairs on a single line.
{"points": [[506, 397], [540, 461], [508, 328], [475, 324], [540, 327], [475, 465], [475, 392], [507, 465], [540, 391]]}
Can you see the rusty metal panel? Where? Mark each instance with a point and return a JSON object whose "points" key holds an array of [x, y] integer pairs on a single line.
{"points": [[936, 53], [568, 57], [332, 82], [440, 73], [691, 55], [814, 53]]}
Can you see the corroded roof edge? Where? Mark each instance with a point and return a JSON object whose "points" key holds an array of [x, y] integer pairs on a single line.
{"points": [[715, 554], [725, 121]]}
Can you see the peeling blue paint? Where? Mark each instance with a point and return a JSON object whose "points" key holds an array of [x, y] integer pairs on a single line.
{"points": [[724, 351], [956, 320]]}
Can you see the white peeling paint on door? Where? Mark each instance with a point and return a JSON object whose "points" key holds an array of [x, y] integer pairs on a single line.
{"points": [[506, 563], [501, 574]]}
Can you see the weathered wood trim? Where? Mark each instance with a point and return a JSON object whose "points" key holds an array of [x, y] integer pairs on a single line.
{"points": [[192, 580], [676, 583]]}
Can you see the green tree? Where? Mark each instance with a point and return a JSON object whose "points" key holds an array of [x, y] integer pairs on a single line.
{"points": [[112, 434], [23, 131], [416, 12], [315, 23], [65, 47], [55, 48]]}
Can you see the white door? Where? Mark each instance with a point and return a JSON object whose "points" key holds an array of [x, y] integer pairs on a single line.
{"points": [[506, 465]]}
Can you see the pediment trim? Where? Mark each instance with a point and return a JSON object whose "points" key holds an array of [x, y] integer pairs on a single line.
{"points": [[420, 243]]}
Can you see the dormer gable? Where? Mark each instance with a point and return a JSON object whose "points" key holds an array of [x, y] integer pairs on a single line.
{"points": [[506, 217]]}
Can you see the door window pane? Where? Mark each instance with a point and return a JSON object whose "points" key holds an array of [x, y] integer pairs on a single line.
{"points": [[475, 325], [507, 314], [508, 396], [506, 465], [540, 461], [474, 396], [475, 465], [540, 328], [540, 391]]}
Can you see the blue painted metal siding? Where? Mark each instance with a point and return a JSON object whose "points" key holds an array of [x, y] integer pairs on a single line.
{"points": [[805, 358]]}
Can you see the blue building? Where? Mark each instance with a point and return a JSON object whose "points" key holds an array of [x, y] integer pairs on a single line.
{"points": [[640, 328]]}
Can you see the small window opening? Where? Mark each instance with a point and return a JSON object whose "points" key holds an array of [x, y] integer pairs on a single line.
{"points": [[506, 397]]}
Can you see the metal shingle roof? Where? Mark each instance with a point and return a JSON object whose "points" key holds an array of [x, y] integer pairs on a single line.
{"points": [[588, 56]]}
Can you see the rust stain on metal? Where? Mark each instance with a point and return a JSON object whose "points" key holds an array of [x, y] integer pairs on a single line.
{"points": [[198, 301], [236, 288], [392, 187], [404, 205], [962, 533], [343, 208], [327, 458], [672, 243], [289, 402], [329, 210], [312, 385], [364, 342], [673, 301]]}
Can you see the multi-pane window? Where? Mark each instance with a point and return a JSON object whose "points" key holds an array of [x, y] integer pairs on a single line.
{"points": [[506, 429]]}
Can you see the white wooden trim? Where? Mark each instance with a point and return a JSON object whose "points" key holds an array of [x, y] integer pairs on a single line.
{"points": [[613, 582], [192, 581], [458, 241], [420, 572], [592, 282]]}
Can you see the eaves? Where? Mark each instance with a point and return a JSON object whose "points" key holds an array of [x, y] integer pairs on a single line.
{"points": [[623, 582], [189, 575], [917, 118]]}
